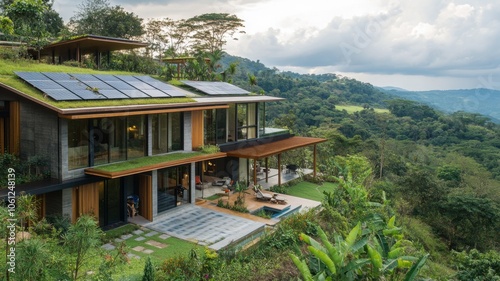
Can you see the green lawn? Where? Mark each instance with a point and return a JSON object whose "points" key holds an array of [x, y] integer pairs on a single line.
{"points": [[133, 270], [355, 108], [310, 190]]}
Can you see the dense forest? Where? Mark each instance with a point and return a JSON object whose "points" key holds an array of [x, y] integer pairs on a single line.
{"points": [[410, 171], [480, 100]]}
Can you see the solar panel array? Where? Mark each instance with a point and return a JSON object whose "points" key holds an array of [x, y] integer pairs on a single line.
{"points": [[216, 88], [64, 86]]}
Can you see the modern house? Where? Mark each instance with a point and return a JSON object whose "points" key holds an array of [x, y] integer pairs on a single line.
{"points": [[108, 137]]}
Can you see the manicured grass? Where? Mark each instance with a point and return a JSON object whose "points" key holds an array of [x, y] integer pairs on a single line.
{"points": [[310, 190], [146, 161], [134, 268], [355, 108]]}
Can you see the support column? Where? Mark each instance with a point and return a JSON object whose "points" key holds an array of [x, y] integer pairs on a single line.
{"points": [[154, 192], [279, 169], [254, 172], [314, 161], [267, 169], [192, 183]]}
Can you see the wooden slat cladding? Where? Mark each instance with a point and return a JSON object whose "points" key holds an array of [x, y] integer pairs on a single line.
{"points": [[146, 197], [197, 128], [86, 200], [14, 127]]}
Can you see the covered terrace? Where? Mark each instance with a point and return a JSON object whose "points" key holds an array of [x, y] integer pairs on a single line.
{"points": [[264, 151]]}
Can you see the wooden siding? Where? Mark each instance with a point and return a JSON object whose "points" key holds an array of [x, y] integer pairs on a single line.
{"points": [[146, 197], [197, 129], [86, 200], [14, 127], [2, 135]]}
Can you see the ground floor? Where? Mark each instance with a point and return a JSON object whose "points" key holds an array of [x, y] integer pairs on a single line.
{"points": [[150, 194]]}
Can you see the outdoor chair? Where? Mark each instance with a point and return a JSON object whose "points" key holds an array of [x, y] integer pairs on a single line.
{"points": [[260, 195], [278, 199]]}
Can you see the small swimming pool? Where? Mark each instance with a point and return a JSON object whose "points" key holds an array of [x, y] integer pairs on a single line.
{"points": [[276, 213]]}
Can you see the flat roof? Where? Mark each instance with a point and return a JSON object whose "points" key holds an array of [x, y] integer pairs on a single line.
{"points": [[90, 43], [273, 148]]}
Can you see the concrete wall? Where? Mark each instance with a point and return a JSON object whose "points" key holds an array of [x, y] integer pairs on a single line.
{"points": [[40, 135], [188, 141]]}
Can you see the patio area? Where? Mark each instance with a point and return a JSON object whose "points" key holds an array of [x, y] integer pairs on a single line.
{"points": [[209, 190], [216, 227]]}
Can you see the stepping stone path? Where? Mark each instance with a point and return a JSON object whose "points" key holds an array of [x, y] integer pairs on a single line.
{"points": [[147, 251], [108, 247], [132, 256], [164, 236], [140, 238], [118, 240], [138, 232], [138, 248], [127, 236], [152, 233], [156, 244]]}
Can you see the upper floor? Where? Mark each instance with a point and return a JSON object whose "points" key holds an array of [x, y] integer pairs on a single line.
{"points": [[75, 138]]}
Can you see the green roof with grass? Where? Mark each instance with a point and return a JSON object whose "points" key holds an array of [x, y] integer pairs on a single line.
{"points": [[9, 78]]}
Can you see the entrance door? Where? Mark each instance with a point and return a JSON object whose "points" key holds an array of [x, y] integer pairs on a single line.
{"points": [[111, 202]]}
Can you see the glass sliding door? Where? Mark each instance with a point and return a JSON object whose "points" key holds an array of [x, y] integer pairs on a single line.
{"points": [[111, 203]]}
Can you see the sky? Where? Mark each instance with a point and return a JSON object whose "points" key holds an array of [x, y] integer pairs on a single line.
{"points": [[414, 45]]}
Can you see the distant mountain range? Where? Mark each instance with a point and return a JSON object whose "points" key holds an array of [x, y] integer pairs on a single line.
{"points": [[483, 101]]}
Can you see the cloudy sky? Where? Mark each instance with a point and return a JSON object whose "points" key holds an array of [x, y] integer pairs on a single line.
{"points": [[416, 45]]}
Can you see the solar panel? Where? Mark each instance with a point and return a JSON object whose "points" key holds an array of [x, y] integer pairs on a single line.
{"points": [[61, 94], [58, 76], [88, 95], [113, 94], [156, 93], [146, 79], [216, 88], [64, 86], [126, 78], [106, 77], [135, 94], [29, 76], [120, 85], [140, 85], [84, 77], [73, 85], [45, 84], [99, 85]]}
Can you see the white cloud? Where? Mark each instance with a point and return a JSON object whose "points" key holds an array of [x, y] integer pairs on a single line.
{"points": [[374, 38]]}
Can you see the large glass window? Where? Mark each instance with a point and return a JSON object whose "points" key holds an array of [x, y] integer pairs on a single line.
{"points": [[78, 144], [215, 121], [136, 141], [173, 187], [246, 115], [108, 140], [167, 132]]}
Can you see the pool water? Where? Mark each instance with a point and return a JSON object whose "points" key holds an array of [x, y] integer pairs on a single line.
{"points": [[277, 213]]}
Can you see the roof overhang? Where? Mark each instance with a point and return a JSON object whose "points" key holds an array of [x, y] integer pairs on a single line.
{"points": [[273, 148], [137, 167], [92, 43]]}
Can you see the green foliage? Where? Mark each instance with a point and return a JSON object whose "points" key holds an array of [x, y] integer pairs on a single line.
{"points": [[359, 256], [149, 271], [34, 169], [477, 266], [80, 240]]}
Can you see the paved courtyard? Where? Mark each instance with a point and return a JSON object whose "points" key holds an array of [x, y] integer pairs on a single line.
{"points": [[204, 226]]}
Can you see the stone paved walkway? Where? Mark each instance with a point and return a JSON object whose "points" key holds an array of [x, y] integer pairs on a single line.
{"points": [[205, 226]]}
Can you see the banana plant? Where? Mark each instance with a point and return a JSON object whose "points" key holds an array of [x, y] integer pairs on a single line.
{"points": [[359, 255], [341, 261]]}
